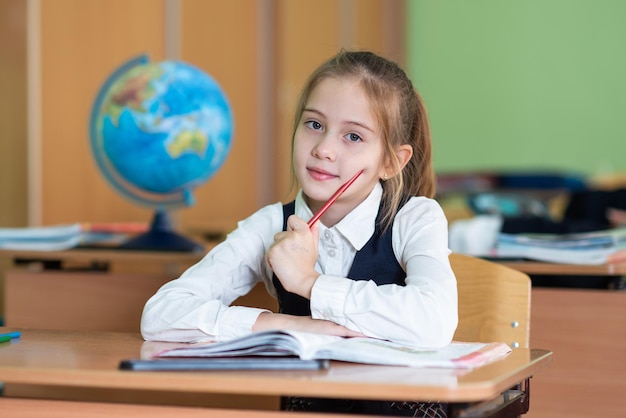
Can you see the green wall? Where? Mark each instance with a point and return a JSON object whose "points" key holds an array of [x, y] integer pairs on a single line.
{"points": [[522, 84]]}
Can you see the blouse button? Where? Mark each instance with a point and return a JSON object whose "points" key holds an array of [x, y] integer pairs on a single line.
{"points": [[327, 235], [332, 253]]}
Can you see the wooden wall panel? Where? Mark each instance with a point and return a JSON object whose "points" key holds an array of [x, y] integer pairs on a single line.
{"points": [[307, 34], [220, 38], [13, 139], [75, 44], [81, 43], [380, 27], [13, 122], [370, 26]]}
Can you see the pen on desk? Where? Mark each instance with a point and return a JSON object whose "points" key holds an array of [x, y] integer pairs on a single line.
{"points": [[332, 199], [4, 339], [10, 335]]}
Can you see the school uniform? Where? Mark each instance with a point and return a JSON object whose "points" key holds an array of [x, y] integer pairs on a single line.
{"points": [[421, 312], [196, 306]]}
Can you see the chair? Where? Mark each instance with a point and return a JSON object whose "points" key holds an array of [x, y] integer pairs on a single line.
{"points": [[494, 302]]}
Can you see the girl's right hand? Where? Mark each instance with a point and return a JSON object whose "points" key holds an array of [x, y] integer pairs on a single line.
{"points": [[268, 320]]}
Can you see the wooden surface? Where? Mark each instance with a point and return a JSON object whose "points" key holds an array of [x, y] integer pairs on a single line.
{"points": [[13, 122], [88, 256], [494, 302], [539, 267], [30, 408], [79, 359], [79, 301], [586, 331]]}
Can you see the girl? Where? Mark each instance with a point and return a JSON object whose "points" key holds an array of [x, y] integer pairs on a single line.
{"points": [[376, 264]]}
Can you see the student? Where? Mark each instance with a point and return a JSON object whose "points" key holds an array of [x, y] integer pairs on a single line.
{"points": [[376, 264]]}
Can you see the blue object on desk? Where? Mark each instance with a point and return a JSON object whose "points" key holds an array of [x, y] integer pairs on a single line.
{"points": [[10, 336]]}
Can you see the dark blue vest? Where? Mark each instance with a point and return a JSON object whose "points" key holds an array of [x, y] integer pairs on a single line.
{"points": [[375, 261]]}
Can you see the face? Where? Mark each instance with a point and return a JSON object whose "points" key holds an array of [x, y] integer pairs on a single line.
{"points": [[336, 137]]}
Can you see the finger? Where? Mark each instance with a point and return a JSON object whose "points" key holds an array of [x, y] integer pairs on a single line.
{"points": [[295, 223], [279, 236], [315, 230]]}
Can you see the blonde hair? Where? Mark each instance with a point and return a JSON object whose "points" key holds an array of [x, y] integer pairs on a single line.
{"points": [[401, 116]]}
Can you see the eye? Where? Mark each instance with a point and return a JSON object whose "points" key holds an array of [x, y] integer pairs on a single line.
{"points": [[352, 137], [313, 124]]}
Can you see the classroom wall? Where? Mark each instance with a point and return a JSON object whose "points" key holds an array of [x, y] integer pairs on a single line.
{"points": [[55, 55], [522, 84], [13, 125], [260, 54]]}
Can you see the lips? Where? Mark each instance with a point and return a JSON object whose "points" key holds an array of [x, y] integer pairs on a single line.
{"points": [[321, 174]]}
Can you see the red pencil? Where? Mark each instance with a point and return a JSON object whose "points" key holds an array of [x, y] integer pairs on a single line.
{"points": [[332, 199]]}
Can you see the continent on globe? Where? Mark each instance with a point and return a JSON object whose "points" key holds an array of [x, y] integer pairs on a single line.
{"points": [[186, 141]]}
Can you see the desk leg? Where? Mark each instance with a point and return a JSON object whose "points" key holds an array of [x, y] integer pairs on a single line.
{"points": [[512, 403]]}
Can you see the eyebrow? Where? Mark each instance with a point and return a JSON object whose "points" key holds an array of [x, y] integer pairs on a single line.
{"points": [[362, 125]]}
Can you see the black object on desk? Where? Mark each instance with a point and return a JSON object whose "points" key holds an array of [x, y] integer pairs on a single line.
{"points": [[239, 363]]}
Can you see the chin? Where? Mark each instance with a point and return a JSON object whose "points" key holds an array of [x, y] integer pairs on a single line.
{"points": [[315, 197]]}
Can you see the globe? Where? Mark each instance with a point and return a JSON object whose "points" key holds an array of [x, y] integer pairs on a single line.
{"points": [[158, 130]]}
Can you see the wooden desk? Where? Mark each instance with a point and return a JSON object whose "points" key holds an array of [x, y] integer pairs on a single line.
{"points": [[79, 289], [93, 290], [88, 256], [539, 267], [87, 361], [585, 329]]}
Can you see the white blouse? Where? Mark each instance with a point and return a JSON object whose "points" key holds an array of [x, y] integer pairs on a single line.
{"points": [[196, 306]]}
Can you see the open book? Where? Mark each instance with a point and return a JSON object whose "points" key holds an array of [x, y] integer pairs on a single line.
{"points": [[308, 346]]}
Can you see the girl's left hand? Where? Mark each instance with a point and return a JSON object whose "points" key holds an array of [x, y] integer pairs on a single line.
{"points": [[292, 256], [617, 257], [616, 216], [268, 320]]}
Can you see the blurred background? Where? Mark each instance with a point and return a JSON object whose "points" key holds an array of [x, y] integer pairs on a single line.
{"points": [[528, 86]]}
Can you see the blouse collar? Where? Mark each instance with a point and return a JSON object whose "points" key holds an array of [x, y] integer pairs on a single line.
{"points": [[358, 225]]}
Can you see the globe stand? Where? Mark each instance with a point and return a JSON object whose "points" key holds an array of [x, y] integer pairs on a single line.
{"points": [[161, 237]]}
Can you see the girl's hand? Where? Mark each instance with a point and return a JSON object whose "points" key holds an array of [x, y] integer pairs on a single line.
{"points": [[617, 257], [292, 256], [617, 217], [267, 320]]}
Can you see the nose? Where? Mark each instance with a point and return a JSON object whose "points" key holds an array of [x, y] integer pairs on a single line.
{"points": [[324, 148]]}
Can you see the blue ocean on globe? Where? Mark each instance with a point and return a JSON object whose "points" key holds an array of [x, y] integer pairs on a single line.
{"points": [[159, 130]]}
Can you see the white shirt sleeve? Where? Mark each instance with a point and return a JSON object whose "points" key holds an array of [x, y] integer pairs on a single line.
{"points": [[195, 307], [423, 313]]}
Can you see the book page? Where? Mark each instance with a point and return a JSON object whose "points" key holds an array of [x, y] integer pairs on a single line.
{"points": [[373, 351], [310, 346]]}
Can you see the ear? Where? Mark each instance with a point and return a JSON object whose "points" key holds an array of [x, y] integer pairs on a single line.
{"points": [[403, 154]]}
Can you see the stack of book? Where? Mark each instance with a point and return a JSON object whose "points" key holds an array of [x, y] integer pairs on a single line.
{"points": [[64, 237], [577, 248]]}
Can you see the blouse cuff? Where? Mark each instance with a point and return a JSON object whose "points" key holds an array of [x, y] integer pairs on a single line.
{"points": [[237, 322], [328, 297]]}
